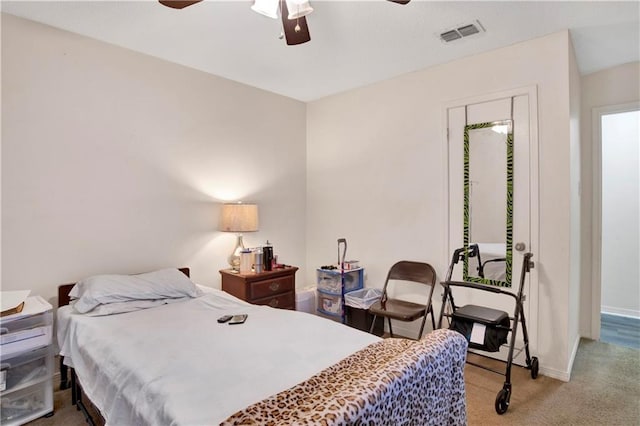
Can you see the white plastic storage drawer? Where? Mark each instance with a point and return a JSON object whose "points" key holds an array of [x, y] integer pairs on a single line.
{"points": [[25, 340], [330, 281], [329, 304], [12, 326], [26, 404], [27, 330], [25, 369]]}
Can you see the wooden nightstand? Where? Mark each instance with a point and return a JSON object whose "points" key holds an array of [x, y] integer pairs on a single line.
{"points": [[275, 288]]}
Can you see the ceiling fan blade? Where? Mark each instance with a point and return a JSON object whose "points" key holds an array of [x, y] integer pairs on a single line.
{"points": [[292, 36], [178, 4], [400, 1]]}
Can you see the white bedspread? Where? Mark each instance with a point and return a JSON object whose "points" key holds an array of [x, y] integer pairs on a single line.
{"points": [[175, 365]]}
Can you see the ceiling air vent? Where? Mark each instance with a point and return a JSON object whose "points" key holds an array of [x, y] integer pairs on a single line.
{"points": [[460, 31], [450, 35]]}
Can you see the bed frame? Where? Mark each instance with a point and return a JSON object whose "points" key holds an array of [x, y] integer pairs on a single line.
{"points": [[76, 389]]}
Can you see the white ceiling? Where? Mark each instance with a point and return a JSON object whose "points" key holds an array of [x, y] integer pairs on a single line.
{"points": [[353, 43]]}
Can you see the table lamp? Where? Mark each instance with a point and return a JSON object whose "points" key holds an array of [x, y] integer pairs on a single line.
{"points": [[238, 218]]}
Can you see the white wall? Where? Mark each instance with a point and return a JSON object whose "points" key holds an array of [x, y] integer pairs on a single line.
{"points": [[91, 130], [574, 193], [375, 173], [117, 162], [621, 214], [614, 86]]}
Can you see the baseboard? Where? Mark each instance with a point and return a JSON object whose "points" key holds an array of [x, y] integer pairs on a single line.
{"points": [[406, 330], [555, 374], [566, 376], [620, 312]]}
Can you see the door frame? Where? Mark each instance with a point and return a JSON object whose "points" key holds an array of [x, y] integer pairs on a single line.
{"points": [[596, 207], [532, 93]]}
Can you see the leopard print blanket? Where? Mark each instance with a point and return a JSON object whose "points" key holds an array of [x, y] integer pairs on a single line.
{"points": [[390, 382]]}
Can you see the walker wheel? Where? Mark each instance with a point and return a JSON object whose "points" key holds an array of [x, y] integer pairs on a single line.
{"points": [[534, 367], [502, 401]]}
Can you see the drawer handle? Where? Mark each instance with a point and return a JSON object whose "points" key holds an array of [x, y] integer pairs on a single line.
{"points": [[274, 286], [274, 303]]}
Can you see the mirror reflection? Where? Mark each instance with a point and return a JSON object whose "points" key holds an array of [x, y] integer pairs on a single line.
{"points": [[488, 174]]}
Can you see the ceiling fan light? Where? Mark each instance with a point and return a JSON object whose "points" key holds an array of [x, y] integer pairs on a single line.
{"points": [[298, 8], [266, 7]]}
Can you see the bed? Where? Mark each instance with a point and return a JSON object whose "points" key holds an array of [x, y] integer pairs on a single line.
{"points": [[172, 363]]}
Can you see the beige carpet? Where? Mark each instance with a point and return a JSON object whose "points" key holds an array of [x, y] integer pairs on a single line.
{"points": [[604, 390]]}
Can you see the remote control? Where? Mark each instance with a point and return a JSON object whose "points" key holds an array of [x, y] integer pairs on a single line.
{"points": [[224, 318]]}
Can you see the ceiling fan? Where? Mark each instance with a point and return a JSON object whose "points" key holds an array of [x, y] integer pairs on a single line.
{"points": [[293, 12]]}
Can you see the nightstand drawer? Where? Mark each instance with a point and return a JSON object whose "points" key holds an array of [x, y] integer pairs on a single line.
{"points": [[274, 286], [282, 301]]}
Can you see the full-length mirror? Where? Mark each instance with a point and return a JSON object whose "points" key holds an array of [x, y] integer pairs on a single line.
{"points": [[488, 202]]}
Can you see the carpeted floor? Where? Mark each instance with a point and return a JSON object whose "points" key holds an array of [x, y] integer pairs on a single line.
{"points": [[604, 390]]}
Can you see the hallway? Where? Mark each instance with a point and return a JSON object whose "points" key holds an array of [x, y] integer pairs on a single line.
{"points": [[621, 331]]}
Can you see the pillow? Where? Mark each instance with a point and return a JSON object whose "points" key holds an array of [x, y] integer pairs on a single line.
{"points": [[102, 289], [130, 306]]}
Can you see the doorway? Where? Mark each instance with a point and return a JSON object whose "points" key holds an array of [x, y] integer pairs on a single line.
{"points": [[616, 289]]}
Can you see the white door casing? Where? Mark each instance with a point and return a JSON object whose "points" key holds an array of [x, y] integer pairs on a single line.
{"points": [[596, 218]]}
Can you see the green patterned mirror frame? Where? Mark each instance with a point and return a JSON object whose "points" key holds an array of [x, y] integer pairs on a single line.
{"points": [[473, 250]]}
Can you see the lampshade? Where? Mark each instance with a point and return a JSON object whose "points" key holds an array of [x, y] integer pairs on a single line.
{"points": [[239, 217], [298, 8], [266, 7]]}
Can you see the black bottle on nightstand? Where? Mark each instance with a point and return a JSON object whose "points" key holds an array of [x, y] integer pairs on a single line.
{"points": [[267, 256]]}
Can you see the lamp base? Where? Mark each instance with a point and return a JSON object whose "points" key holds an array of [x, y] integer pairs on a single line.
{"points": [[234, 257]]}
